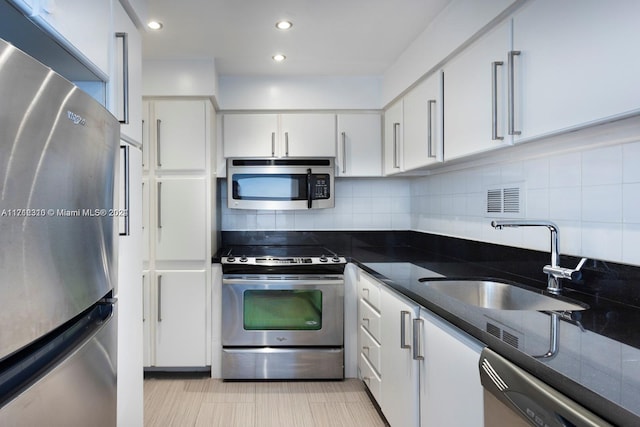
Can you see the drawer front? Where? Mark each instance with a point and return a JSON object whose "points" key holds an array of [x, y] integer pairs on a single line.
{"points": [[369, 377], [370, 348], [369, 291], [369, 319]]}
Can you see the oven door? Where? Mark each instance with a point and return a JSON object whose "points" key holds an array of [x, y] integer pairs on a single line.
{"points": [[282, 311]]}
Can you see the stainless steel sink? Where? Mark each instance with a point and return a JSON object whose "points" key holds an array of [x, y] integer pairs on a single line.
{"points": [[500, 296]]}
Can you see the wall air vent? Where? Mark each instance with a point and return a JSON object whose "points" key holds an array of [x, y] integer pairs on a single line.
{"points": [[511, 337], [506, 201]]}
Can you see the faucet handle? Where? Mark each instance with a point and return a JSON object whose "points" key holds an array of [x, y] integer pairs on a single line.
{"points": [[565, 273]]}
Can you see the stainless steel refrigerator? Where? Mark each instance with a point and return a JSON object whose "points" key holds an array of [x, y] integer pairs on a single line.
{"points": [[58, 163]]}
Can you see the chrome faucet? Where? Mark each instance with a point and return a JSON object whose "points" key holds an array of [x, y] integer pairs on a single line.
{"points": [[554, 272]]}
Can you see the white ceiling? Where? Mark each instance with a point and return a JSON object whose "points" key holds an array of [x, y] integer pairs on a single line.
{"points": [[329, 37]]}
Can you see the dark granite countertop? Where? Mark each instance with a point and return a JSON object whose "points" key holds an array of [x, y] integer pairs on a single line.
{"points": [[599, 368]]}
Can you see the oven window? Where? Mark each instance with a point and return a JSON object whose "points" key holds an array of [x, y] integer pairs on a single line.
{"points": [[283, 310], [269, 187]]}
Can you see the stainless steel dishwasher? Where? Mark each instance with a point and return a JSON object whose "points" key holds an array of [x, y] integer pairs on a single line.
{"points": [[513, 397]]}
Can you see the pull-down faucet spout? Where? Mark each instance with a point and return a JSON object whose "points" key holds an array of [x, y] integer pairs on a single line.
{"points": [[554, 271]]}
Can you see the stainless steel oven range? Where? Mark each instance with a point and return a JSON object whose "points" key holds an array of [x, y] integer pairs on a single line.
{"points": [[282, 313]]}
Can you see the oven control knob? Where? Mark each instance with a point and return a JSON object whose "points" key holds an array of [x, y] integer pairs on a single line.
{"points": [[243, 258], [336, 258], [323, 258], [231, 258]]}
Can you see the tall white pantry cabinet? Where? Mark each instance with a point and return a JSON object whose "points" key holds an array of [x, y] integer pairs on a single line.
{"points": [[177, 218]]}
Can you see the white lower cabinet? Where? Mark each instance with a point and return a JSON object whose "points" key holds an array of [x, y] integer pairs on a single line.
{"points": [[450, 389], [399, 394], [179, 319], [421, 370]]}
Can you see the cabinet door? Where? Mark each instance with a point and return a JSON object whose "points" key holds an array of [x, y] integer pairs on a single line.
{"points": [[68, 22], [180, 135], [576, 64], [180, 226], [449, 375], [393, 129], [399, 371], [146, 135], [422, 138], [250, 135], [359, 145], [125, 84], [469, 92], [308, 135], [146, 224], [180, 318]]}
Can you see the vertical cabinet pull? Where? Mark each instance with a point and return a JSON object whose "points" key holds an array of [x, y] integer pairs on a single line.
{"points": [[403, 329], [286, 144], [396, 140], [158, 160], [125, 76], [144, 310], [159, 298], [159, 205], [430, 150], [344, 152], [127, 192], [143, 147], [273, 144], [418, 351], [494, 101], [511, 95]]}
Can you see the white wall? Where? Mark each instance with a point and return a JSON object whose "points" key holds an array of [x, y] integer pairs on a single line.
{"points": [[592, 193], [361, 204], [299, 93], [179, 78]]}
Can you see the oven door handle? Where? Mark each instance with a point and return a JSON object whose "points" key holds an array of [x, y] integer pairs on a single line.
{"points": [[309, 199]]}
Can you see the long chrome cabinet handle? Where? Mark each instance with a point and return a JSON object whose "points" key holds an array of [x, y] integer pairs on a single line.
{"points": [[125, 75], [403, 328], [286, 144], [143, 147], [159, 217], [512, 108], [344, 152], [430, 150], [144, 310], [158, 160], [494, 101], [396, 138], [159, 297], [273, 144], [418, 351], [127, 185]]}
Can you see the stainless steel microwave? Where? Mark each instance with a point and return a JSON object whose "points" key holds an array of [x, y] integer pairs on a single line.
{"points": [[280, 183]]}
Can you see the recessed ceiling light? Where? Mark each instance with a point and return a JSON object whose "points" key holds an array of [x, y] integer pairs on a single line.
{"points": [[284, 25], [279, 57], [155, 25]]}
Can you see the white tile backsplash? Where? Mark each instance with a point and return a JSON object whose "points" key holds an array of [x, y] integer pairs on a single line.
{"points": [[592, 194]]}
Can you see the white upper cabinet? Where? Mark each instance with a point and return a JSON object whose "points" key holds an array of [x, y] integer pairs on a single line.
{"points": [[180, 128], [475, 90], [250, 135], [308, 135], [393, 129], [359, 145], [577, 63], [82, 26], [422, 140], [279, 135]]}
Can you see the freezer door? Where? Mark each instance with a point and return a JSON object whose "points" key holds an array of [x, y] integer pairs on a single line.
{"points": [[78, 391], [58, 160]]}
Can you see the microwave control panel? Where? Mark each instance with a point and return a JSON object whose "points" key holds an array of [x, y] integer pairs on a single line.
{"points": [[320, 187]]}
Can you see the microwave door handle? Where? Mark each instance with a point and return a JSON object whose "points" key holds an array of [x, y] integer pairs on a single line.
{"points": [[309, 188]]}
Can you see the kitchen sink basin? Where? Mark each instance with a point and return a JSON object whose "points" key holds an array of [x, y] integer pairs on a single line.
{"points": [[499, 296]]}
